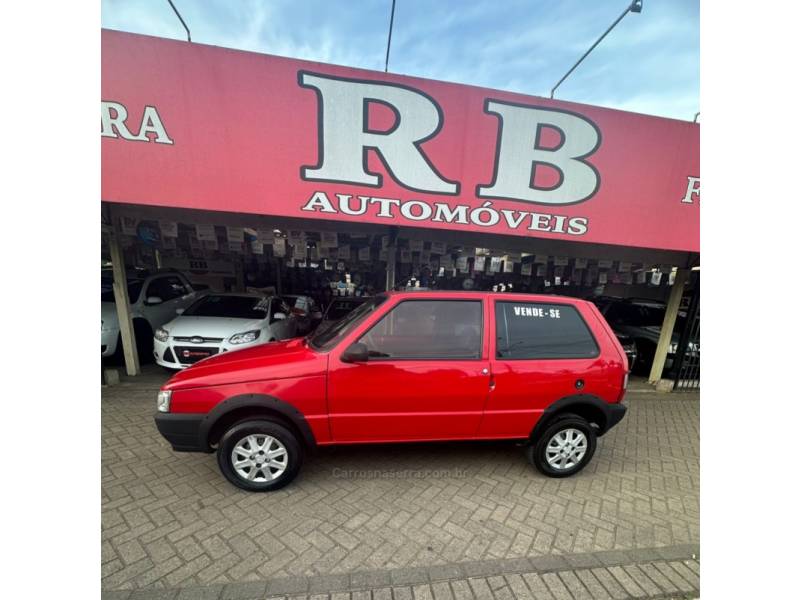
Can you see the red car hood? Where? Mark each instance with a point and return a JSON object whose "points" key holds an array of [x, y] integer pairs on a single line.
{"points": [[276, 360]]}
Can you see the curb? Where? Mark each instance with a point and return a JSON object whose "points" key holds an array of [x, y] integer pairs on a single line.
{"points": [[368, 580]]}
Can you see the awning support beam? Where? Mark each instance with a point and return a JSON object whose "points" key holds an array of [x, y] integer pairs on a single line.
{"points": [[120, 288], [667, 327]]}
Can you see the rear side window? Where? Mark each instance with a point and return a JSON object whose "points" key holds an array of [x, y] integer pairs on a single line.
{"points": [[528, 330]]}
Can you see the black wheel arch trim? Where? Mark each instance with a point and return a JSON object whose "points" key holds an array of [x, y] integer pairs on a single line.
{"points": [[612, 413], [256, 401]]}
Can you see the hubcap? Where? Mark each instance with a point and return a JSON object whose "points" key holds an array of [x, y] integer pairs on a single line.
{"points": [[566, 449], [259, 458]]}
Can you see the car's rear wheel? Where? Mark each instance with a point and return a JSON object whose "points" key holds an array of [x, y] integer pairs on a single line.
{"points": [[259, 455], [565, 447]]}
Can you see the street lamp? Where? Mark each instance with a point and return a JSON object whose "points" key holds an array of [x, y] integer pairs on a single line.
{"points": [[634, 7]]}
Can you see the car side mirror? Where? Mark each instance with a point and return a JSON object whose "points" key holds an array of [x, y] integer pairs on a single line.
{"points": [[153, 300], [279, 316], [179, 311], [357, 352]]}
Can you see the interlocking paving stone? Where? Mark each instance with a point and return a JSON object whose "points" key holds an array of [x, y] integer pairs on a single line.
{"points": [[610, 584], [644, 582], [596, 589], [556, 586], [170, 519], [627, 582], [575, 586]]}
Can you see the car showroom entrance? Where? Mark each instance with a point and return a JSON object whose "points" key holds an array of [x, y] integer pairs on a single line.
{"points": [[284, 178]]}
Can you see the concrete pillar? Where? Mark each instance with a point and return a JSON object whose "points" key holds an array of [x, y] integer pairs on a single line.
{"points": [[667, 327], [123, 305]]}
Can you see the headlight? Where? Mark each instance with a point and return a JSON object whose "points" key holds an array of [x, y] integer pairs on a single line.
{"points": [[162, 403], [162, 335], [245, 338]]}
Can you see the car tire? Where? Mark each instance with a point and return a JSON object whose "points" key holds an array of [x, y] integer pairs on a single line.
{"points": [[569, 433], [267, 475]]}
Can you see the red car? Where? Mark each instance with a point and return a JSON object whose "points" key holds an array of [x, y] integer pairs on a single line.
{"points": [[408, 367]]}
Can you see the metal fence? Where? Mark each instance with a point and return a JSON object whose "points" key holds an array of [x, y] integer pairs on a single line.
{"points": [[687, 369]]}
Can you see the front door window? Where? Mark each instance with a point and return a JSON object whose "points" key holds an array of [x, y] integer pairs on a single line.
{"points": [[426, 330]]}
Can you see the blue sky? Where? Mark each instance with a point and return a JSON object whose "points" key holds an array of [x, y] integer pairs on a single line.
{"points": [[650, 63]]}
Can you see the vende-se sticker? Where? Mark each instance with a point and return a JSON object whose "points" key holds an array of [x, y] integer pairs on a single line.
{"points": [[537, 311]]}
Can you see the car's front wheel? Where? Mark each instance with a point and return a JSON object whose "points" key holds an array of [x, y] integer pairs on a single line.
{"points": [[565, 447], [259, 455]]}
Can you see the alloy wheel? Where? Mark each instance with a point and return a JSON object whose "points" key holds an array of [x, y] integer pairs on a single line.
{"points": [[259, 458], [566, 449]]}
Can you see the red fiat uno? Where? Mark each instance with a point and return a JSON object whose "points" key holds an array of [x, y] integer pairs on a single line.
{"points": [[408, 367]]}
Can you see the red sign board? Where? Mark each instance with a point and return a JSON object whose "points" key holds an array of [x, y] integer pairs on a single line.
{"points": [[193, 126]]}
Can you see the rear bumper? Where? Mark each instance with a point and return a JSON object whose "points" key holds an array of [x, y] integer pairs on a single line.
{"points": [[614, 415], [182, 431]]}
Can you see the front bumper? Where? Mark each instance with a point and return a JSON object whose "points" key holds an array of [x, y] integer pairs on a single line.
{"points": [[108, 341], [182, 431], [171, 354]]}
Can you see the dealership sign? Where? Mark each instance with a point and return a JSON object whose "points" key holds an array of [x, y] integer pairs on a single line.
{"points": [[195, 126]]}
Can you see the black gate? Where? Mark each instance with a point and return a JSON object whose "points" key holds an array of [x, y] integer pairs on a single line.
{"points": [[687, 369]]}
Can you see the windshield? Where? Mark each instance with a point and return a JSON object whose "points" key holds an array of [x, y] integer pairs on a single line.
{"points": [[330, 337], [341, 308], [234, 307], [107, 293]]}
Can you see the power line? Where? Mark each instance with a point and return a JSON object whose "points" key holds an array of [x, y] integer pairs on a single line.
{"points": [[389, 41]]}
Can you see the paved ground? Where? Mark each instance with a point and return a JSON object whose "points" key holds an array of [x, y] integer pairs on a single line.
{"points": [[414, 518]]}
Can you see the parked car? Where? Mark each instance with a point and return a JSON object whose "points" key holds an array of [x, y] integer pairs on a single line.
{"points": [[153, 296], [629, 347], [338, 308], [640, 320], [306, 310], [407, 367], [221, 323]]}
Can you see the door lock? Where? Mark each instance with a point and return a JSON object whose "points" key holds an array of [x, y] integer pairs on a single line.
{"points": [[484, 371]]}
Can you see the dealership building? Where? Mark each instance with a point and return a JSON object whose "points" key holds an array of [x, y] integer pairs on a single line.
{"points": [[245, 170]]}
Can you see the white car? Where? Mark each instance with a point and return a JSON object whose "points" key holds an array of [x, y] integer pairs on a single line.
{"points": [[222, 323], [154, 298], [306, 310]]}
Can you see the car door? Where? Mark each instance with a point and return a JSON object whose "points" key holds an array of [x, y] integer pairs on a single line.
{"points": [[542, 351], [426, 377], [170, 289]]}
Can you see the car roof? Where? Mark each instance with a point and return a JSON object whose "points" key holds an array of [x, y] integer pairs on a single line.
{"points": [[477, 295]]}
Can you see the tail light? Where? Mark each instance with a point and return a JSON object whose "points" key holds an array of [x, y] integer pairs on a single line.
{"points": [[624, 387]]}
